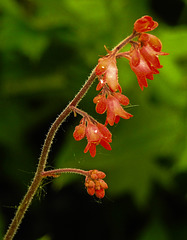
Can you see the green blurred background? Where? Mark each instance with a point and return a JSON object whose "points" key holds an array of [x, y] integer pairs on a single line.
{"points": [[47, 50]]}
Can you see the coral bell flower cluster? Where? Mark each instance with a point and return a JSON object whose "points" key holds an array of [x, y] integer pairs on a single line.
{"points": [[144, 62], [143, 59], [143, 55], [95, 132], [95, 184]]}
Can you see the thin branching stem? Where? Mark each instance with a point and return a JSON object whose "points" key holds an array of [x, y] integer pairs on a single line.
{"points": [[58, 172], [40, 171]]}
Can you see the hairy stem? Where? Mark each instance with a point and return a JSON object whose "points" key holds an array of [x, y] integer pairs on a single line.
{"points": [[47, 146], [43, 159], [57, 172]]}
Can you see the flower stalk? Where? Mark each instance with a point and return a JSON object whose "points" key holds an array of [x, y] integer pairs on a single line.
{"points": [[58, 172], [109, 100]]}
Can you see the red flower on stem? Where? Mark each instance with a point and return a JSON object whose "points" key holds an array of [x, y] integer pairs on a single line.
{"points": [[107, 72], [144, 53], [95, 184], [142, 67], [151, 48], [96, 133], [144, 59], [145, 24], [111, 102]]}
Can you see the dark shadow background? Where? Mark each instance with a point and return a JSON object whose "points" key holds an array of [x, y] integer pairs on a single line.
{"points": [[47, 50]]}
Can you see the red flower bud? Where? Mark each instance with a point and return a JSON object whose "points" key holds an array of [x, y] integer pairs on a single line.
{"points": [[79, 132], [145, 24], [100, 193]]}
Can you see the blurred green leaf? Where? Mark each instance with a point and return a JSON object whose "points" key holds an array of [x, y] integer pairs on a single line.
{"points": [[10, 7], [155, 231], [16, 36], [35, 85], [46, 237]]}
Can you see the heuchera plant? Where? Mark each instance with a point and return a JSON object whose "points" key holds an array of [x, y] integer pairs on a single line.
{"points": [[144, 62]]}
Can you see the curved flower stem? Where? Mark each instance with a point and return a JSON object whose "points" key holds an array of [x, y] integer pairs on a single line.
{"points": [[43, 159], [124, 42], [57, 172], [47, 146]]}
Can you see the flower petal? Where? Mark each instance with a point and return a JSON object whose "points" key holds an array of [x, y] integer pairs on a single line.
{"points": [[122, 98], [105, 144], [105, 132], [149, 54], [101, 105], [102, 66], [92, 149], [79, 132], [111, 76], [92, 133]]}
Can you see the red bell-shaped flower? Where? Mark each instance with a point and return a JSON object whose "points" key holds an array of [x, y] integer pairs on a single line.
{"points": [[96, 133], [108, 68], [142, 68], [115, 110], [143, 57], [111, 102]]}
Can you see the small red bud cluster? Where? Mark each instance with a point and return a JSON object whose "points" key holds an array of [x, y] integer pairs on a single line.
{"points": [[95, 184]]}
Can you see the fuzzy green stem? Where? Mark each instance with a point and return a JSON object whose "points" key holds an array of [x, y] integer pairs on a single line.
{"points": [[25, 203]]}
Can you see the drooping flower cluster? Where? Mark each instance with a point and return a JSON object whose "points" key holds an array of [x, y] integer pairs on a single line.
{"points": [[144, 61], [110, 98], [95, 132], [143, 55], [110, 102], [95, 184]]}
